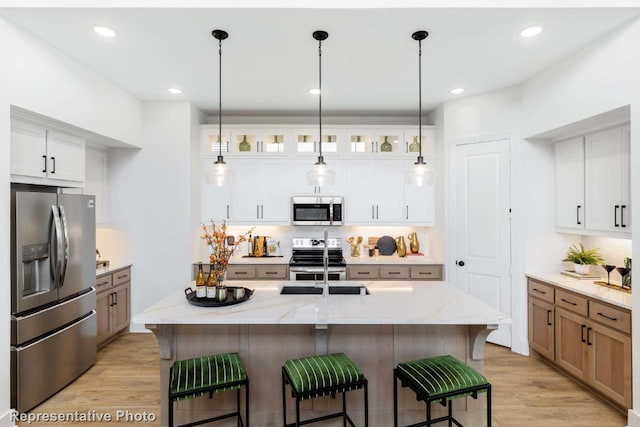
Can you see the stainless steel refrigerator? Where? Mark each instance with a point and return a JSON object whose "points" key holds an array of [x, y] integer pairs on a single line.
{"points": [[53, 316]]}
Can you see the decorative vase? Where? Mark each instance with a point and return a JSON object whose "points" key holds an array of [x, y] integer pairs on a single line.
{"points": [[414, 245], [244, 145], [401, 247], [626, 281], [581, 268], [386, 145], [414, 147]]}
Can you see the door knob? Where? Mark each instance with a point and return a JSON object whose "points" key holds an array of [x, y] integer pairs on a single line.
{"points": [[460, 263]]}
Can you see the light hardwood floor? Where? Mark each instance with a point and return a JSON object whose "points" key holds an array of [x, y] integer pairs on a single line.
{"points": [[526, 391]]}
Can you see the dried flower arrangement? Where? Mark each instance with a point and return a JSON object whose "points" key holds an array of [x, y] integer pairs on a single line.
{"points": [[222, 246]]}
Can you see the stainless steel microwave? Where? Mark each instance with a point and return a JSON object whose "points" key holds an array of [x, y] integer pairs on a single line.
{"points": [[317, 210]]}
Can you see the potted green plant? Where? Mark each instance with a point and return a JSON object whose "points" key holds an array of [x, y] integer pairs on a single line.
{"points": [[582, 259]]}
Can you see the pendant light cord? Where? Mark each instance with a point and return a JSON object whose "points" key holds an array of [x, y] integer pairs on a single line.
{"points": [[220, 100], [320, 159], [420, 160]]}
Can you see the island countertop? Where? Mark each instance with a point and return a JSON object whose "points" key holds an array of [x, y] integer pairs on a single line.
{"points": [[389, 302]]}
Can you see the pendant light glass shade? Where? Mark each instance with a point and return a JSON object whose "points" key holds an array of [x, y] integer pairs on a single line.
{"points": [[419, 175], [220, 174], [320, 174]]}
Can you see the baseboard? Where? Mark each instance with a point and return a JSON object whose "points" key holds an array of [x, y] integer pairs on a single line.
{"points": [[633, 418], [5, 419], [521, 347], [138, 328]]}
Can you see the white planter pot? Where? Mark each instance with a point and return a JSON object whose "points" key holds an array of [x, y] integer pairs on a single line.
{"points": [[581, 268]]}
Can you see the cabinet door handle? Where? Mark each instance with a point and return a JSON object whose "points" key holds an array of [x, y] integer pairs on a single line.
{"points": [[539, 291], [102, 284], [622, 224], [123, 276], [227, 211], [53, 160], [426, 272], [363, 273], [549, 318], [45, 163], [582, 339], [257, 211], [615, 216], [113, 299], [393, 272], [589, 342], [377, 212], [238, 273], [407, 209], [373, 214], [568, 302], [271, 272], [615, 319], [578, 214], [262, 211]]}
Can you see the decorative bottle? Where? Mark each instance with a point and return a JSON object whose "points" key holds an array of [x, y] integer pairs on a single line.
{"points": [[386, 145], [201, 283], [414, 147], [244, 145], [401, 247], [211, 282], [414, 245]]}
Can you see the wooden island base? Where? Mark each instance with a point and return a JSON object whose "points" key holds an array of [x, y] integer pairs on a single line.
{"points": [[376, 349]]}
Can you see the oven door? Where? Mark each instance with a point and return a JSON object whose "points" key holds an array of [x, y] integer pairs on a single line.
{"points": [[317, 273], [311, 213]]}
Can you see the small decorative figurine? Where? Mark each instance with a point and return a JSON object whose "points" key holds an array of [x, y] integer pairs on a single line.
{"points": [[355, 245], [414, 245], [401, 247]]}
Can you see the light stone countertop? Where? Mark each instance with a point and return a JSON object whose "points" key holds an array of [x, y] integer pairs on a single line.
{"points": [[391, 259], [586, 287], [101, 271], [389, 302]]}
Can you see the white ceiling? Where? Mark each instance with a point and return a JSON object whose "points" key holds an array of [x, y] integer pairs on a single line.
{"points": [[270, 60]]}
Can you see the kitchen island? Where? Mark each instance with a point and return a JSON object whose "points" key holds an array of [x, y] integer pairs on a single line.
{"points": [[398, 321]]}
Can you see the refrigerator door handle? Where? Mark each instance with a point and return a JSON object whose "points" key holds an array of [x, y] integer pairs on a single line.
{"points": [[65, 233], [57, 227]]}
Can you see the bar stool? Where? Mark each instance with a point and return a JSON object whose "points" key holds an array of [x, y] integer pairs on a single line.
{"points": [[439, 379], [208, 375], [317, 376]]}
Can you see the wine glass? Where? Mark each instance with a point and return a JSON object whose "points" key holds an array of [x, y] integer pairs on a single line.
{"points": [[623, 272], [608, 268]]}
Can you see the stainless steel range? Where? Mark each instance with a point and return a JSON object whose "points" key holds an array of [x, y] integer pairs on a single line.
{"points": [[307, 259]]}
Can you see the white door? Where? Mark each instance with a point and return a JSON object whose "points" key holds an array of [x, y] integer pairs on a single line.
{"points": [[483, 227], [359, 199], [388, 184], [246, 190], [215, 201], [625, 168], [569, 197], [276, 191], [67, 156], [28, 149]]}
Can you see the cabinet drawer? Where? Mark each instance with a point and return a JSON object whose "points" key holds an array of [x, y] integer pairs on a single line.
{"points": [[426, 272], [103, 282], [362, 272], [121, 276], [394, 272], [571, 302], [540, 290], [240, 272], [610, 316], [272, 272]]}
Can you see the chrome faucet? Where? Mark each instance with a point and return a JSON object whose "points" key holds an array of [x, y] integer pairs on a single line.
{"points": [[325, 265]]}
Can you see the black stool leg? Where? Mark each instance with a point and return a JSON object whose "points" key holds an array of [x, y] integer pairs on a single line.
{"points": [[489, 406], [395, 399], [239, 421], [344, 409], [284, 402], [297, 412], [428, 413], [366, 403], [449, 405], [246, 402]]}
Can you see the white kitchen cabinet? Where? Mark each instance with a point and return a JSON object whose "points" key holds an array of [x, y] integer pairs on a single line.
{"points": [[570, 184], [302, 188], [306, 141], [412, 143], [97, 183], [261, 191], [418, 202], [607, 181], [209, 140], [380, 141], [40, 155], [375, 191]]}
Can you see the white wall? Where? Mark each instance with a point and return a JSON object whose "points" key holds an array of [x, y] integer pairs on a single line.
{"points": [[598, 79], [35, 77], [151, 207]]}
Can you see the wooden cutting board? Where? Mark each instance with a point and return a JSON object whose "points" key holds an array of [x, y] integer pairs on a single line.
{"points": [[372, 242]]}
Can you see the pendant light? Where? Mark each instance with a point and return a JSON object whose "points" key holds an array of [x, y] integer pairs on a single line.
{"points": [[221, 174], [320, 175], [419, 175]]}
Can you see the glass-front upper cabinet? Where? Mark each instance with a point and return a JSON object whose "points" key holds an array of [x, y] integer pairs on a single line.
{"points": [[253, 141], [412, 144], [210, 144], [306, 141], [383, 141]]}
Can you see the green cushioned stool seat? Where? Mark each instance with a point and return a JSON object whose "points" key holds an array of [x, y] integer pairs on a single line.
{"points": [[208, 375], [323, 375], [441, 378]]}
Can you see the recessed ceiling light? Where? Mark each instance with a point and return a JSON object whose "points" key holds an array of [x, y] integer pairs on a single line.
{"points": [[104, 31], [314, 91], [175, 90], [534, 30], [457, 91]]}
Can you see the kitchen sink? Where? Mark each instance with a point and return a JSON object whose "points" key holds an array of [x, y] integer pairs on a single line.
{"points": [[313, 290]]}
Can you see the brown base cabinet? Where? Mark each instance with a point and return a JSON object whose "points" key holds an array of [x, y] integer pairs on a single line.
{"points": [[585, 337], [113, 304], [394, 272]]}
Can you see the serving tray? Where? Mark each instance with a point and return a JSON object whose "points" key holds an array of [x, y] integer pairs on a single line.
{"points": [[210, 302]]}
